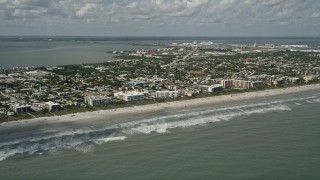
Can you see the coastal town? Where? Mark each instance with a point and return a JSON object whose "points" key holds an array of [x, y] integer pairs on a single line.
{"points": [[174, 72]]}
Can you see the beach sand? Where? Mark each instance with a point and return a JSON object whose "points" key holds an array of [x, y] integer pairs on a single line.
{"points": [[121, 113]]}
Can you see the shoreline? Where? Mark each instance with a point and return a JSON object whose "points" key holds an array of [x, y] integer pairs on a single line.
{"points": [[127, 112]]}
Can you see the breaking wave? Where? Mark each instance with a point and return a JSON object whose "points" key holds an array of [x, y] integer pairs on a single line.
{"points": [[84, 140], [104, 140]]}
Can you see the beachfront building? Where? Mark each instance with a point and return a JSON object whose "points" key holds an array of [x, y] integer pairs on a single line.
{"points": [[166, 94], [97, 100], [226, 83], [212, 88], [129, 95], [241, 84], [234, 83], [52, 106], [205, 88], [216, 87], [310, 77], [257, 83], [20, 109]]}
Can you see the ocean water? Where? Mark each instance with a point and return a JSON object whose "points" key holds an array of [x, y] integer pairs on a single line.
{"points": [[270, 138]]}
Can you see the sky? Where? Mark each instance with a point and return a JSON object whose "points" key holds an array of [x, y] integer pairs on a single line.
{"points": [[160, 17]]}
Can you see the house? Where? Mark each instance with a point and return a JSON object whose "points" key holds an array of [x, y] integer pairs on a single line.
{"points": [[44, 89], [310, 77], [9, 91]]}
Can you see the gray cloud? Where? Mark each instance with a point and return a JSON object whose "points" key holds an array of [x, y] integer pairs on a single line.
{"points": [[166, 15]]}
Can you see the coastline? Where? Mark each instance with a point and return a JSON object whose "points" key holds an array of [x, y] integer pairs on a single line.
{"points": [[127, 112]]}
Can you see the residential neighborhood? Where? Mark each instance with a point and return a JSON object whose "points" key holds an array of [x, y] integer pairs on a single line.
{"points": [[177, 71]]}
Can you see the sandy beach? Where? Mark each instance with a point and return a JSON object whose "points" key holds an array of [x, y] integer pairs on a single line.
{"points": [[105, 115]]}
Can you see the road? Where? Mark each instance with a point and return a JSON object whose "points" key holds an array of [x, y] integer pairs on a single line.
{"points": [[188, 55]]}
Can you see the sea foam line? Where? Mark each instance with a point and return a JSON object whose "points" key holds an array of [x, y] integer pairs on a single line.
{"points": [[76, 139], [163, 127], [109, 139], [204, 112]]}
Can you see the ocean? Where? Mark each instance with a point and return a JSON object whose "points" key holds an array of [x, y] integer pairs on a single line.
{"points": [[54, 51], [269, 138]]}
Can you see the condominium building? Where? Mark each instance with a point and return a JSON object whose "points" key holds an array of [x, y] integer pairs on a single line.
{"points": [[97, 100], [129, 95], [167, 94], [20, 109], [226, 83], [241, 84], [234, 83]]}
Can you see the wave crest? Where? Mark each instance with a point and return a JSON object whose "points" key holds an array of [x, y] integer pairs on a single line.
{"points": [[84, 140]]}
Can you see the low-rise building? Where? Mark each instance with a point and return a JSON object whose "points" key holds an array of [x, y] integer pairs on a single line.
{"points": [[191, 93], [310, 77], [257, 83], [205, 88], [20, 109], [44, 89], [9, 91], [167, 94], [52, 106], [3, 110], [135, 82], [216, 87], [129, 95], [212, 88]]}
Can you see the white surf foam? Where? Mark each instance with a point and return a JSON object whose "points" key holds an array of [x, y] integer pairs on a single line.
{"points": [[55, 135], [109, 139], [197, 113], [84, 148], [163, 127], [316, 100], [78, 139]]}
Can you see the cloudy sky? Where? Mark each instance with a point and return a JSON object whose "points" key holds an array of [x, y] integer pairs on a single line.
{"points": [[160, 17]]}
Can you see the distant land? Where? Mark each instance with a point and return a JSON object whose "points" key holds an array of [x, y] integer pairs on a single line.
{"points": [[72, 74]]}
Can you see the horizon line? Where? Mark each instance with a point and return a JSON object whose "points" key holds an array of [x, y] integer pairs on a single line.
{"points": [[148, 36]]}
